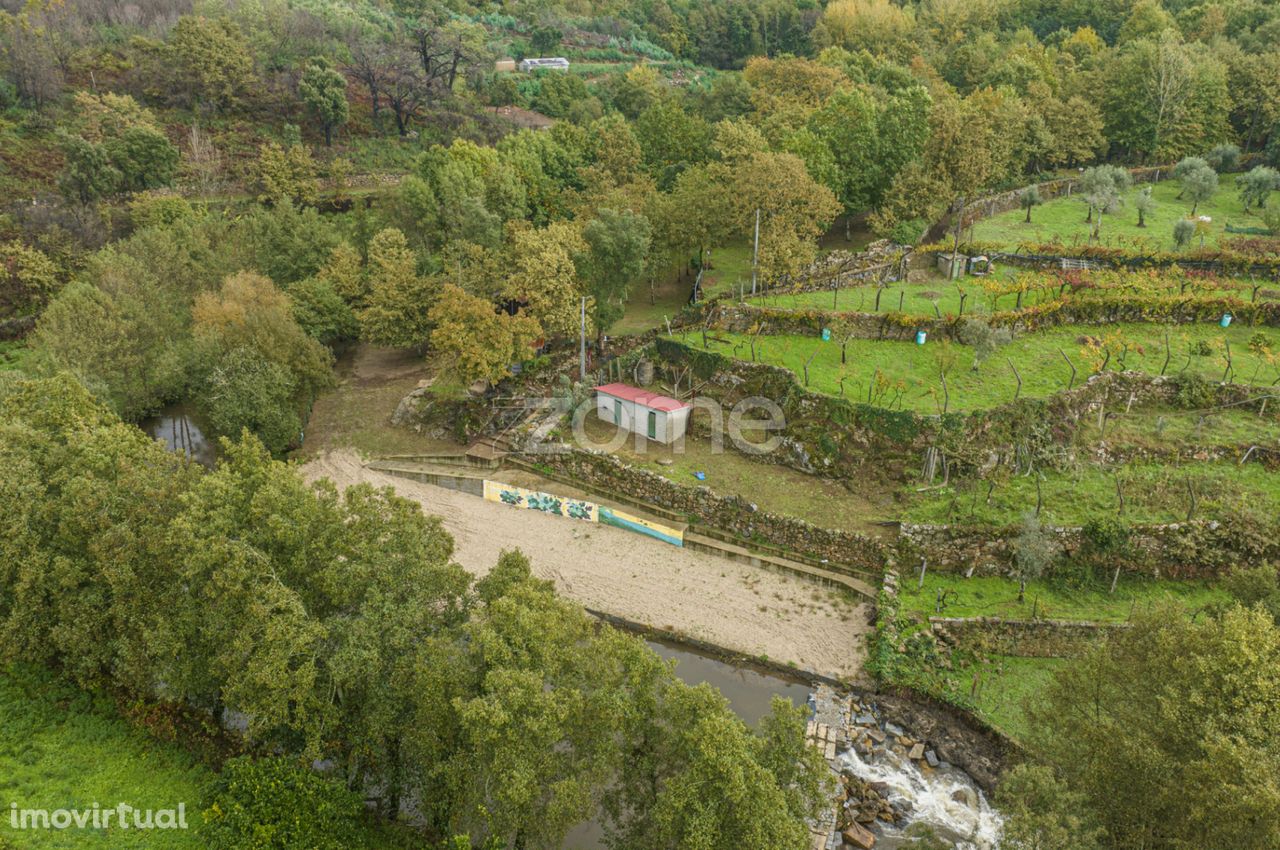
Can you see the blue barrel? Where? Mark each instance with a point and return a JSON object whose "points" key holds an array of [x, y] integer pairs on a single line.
{"points": [[921, 336], [1226, 320], [826, 334]]}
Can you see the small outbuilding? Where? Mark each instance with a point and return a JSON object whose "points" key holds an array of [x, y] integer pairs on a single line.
{"points": [[555, 63], [657, 417]]}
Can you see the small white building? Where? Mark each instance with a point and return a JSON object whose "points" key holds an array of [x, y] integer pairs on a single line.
{"points": [[558, 63], [657, 417]]}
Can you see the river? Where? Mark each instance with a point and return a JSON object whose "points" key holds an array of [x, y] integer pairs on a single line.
{"points": [[945, 799], [179, 428]]}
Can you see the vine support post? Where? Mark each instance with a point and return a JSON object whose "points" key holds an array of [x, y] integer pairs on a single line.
{"points": [[1071, 383]]}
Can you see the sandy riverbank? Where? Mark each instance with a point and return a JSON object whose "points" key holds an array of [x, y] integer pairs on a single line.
{"points": [[736, 606]]}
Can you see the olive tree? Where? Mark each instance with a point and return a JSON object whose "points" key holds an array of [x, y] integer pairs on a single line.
{"points": [[1183, 231], [1199, 185], [1257, 185], [1028, 198], [1145, 204], [983, 339], [1034, 552], [1223, 158]]}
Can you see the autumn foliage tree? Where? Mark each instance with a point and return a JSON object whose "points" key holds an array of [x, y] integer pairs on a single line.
{"points": [[476, 341]]}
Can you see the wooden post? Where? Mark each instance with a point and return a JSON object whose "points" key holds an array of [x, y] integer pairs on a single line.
{"points": [[755, 253]]}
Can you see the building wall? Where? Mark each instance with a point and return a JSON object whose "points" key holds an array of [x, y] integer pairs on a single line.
{"points": [[668, 427]]}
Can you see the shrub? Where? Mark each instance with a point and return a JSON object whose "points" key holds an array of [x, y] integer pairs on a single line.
{"points": [[159, 211], [278, 804], [1223, 158], [908, 231], [1183, 231], [1194, 392]]}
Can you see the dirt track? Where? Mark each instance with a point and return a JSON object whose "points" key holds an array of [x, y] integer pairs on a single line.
{"points": [[728, 604]]}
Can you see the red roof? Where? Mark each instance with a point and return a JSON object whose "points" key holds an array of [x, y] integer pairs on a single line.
{"points": [[643, 397]]}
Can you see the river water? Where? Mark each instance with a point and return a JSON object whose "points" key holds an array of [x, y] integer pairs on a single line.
{"points": [[179, 428], [945, 799]]}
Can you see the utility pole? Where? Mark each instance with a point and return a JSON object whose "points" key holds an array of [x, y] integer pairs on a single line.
{"points": [[582, 343], [755, 253]]}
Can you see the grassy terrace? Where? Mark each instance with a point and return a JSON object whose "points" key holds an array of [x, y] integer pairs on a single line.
{"points": [[1159, 428], [998, 597], [936, 298], [1063, 219], [912, 371], [1005, 682], [1153, 493], [999, 685]]}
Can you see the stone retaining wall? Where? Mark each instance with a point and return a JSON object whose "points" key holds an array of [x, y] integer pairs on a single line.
{"points": [[1025, 638], [891, 325], [729, 513], [1180, 550]]}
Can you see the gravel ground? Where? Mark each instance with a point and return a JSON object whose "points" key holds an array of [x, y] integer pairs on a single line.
{"points": [[728, 604]]}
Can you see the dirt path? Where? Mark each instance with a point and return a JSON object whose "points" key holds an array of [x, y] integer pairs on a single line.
{"points": [[728, 604]]}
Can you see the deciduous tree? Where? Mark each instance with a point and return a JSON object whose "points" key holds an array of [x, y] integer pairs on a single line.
{"points": [[397, 312], [478, 341], [617, 249], [1117, 728], [323, 90]]}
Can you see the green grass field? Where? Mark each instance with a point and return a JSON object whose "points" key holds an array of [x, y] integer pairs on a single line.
{"points": [[998, 597], [1064, 219], [912, 371], [1153, 493], [730, 267], [63, 748], [1005, 682]]}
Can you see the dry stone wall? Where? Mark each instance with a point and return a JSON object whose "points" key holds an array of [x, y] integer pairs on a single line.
{"points": [[1181, 550], [733, 514], [1025, 638]]}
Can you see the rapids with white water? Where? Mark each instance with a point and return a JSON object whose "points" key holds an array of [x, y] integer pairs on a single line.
{"points": [[944, 798]]}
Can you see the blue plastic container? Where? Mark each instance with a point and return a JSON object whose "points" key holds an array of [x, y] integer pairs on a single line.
{"points": [[921, 336], [1226, 320], [826, 334]]}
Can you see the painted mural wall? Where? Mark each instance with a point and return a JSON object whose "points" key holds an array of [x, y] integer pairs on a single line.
{"points": [[549, 503]]}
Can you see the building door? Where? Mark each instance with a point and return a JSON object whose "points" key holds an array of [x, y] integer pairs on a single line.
{"points": [[617, 413], [653, 425]]}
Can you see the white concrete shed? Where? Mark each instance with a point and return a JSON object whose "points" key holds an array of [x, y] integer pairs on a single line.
{"points": [[657, 417]]}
